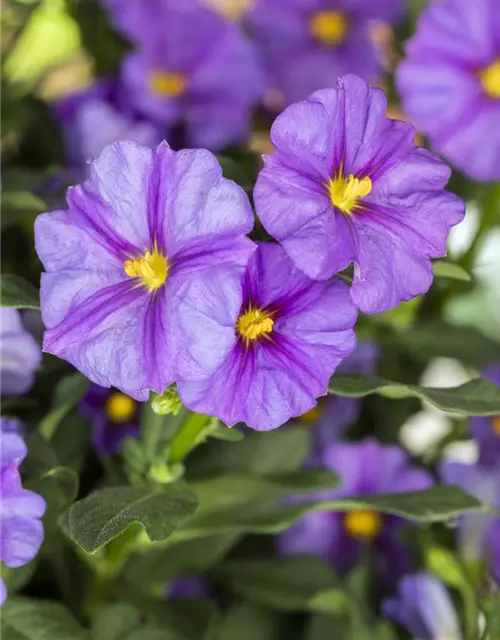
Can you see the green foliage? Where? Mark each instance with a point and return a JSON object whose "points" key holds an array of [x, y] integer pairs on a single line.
{"points": [[24, 619], [475, 398], [103, 515], [18, 293]]}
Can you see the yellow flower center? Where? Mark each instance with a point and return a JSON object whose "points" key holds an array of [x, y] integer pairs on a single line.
{"points": [[495, 425], [119, 407], [311, 416], [363, 524], [166, 84], [345, 192], [152, 268], [490, 79], [254, 323], [329, 27]]}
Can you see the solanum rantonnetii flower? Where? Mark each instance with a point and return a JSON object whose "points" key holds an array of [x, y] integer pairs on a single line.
{"points": [[478, 534], [98, 116], [423, 606], [20, 355], [187, 587], [261, 348], [308, 45], [118, 261], [21, 530], [450, 83], [113, 415], [347, 184], [366, 468], [191, 68], [487, 429], [334, 414]]}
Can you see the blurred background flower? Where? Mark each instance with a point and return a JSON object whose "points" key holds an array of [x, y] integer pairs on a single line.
{"points": [[20, 355]]}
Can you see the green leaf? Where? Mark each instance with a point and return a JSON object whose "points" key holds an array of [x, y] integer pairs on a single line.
{"points": [[445, 269], [279, 451], [226, 433], [437, 504], [439, 339], [96, 520], [285, 584], [18, 205], [445, 565], [66, 481], [165, 561], [246, 621], [16, 292], [477, 397], [115, 622], [24, 619], [67, 394]]}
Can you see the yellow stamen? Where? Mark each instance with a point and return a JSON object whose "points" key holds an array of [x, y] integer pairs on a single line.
{"points": [[329, 27], [254, 323], [495, 425], [152, 268], [311, 416], [345, 192], [363, 524], [490, 79], [166, 84], [119, 407]]}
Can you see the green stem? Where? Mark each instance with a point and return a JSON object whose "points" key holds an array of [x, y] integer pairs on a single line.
{"points": [[192, 432]]}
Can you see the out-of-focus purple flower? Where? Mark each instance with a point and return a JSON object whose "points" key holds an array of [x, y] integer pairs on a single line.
{"points": [[185, 587], [191, 68], [424, 608], [347, 184], [450, 83], [334, 413], [98, 116], [21, 530], [366, 468], [487, 429], [20, 355], [120, 259], [308, 45], [478, 534], [113, 415], [262, 347]]}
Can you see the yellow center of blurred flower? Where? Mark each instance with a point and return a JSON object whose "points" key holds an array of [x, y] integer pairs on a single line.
{"points": [[495, 425], [329, 27], [152, 268], [119, 407], [254, 323], [345, 192], [363, 524], [490, 79], [311, 416], [166, 84]]}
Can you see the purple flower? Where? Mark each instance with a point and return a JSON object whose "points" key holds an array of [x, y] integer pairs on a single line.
{"points": [[308, 45], [450, 83], [187, 587], [20, 355], [191, 68], [97, 117], [120, 259], [366, 468], [424, 608], [21, 530], [114, 416], [478, 534], [262, 347], [347, 184], [487, 430], [336, 413]]}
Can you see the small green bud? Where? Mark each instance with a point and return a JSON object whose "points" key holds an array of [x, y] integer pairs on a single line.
{"points": [[168, 402], [163, 473]]}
